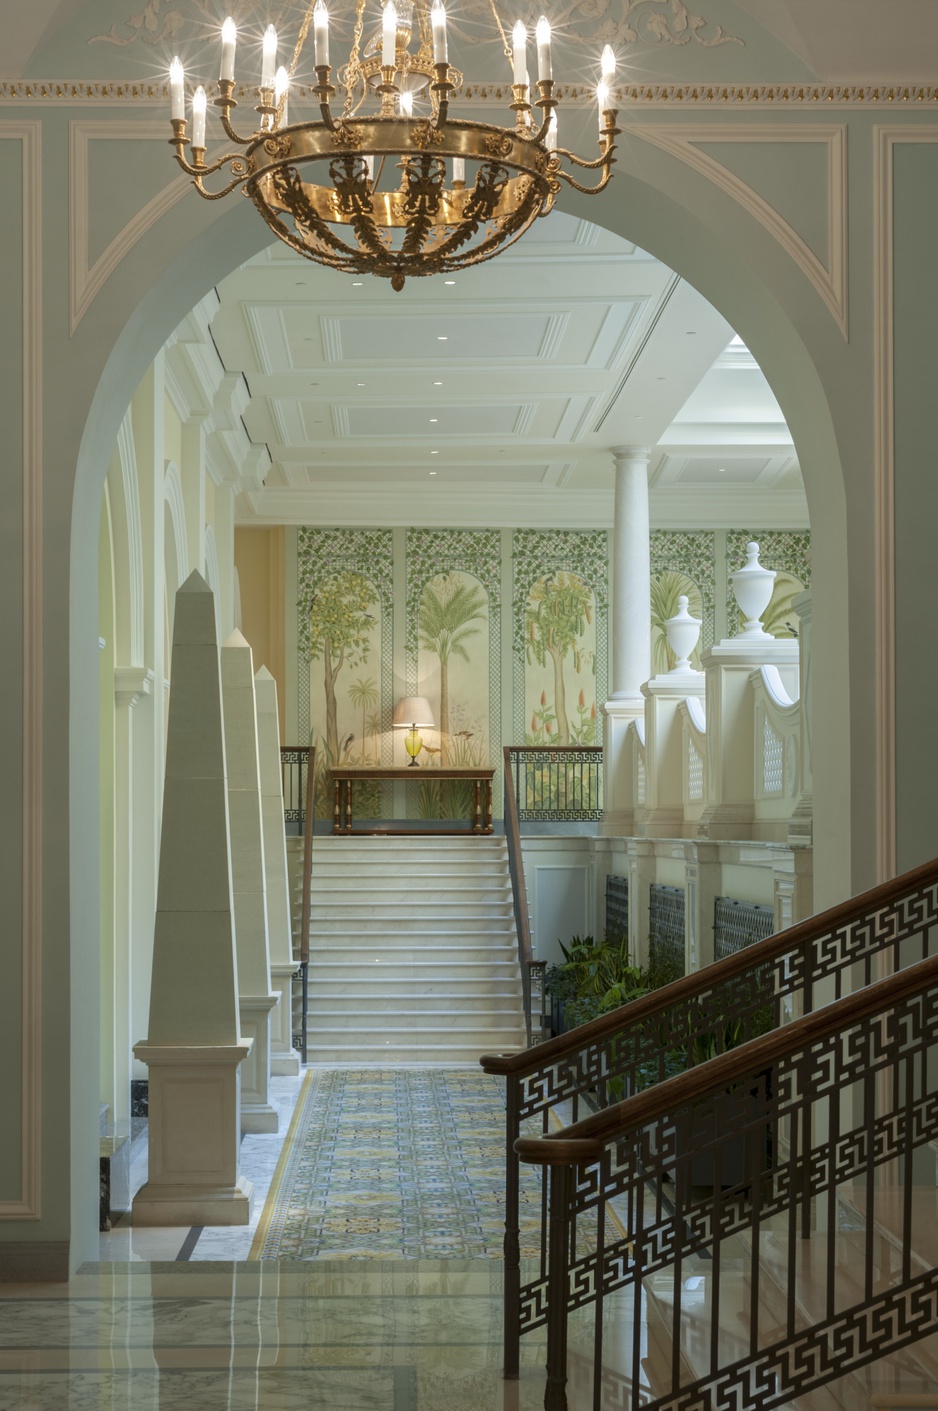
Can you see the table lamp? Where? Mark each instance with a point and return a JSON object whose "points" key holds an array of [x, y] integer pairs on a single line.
{"points": [[411, 714]]}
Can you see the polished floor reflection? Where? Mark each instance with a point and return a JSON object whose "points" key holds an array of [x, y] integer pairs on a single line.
{"points": [[181, 1320]]}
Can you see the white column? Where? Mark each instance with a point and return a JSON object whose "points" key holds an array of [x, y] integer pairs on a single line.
{"points": [[194, 1046], [283, 1057], [631, 625], [256, 998], [131, 684]]}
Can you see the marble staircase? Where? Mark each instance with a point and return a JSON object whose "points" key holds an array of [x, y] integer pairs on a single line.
{"points": [[900, 1381], [413, 951]]}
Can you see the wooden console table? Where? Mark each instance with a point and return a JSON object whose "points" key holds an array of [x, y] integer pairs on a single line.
{"points": [[343, 779]]}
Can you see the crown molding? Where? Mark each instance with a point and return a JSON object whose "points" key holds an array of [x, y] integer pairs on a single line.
{"points": [[780, 94]]}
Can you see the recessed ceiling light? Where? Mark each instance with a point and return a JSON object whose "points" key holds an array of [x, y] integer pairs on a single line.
{"points": [[434, 453], [357, 283], [433, 472], [438, 384], [449, 281], [433, 419], [722, 470], [359, 384], [442, 337]]}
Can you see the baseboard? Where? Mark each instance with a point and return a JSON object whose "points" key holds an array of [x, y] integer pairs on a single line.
{"points": [[34, 1261]]}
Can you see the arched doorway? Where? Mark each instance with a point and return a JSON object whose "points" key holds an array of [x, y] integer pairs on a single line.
{"points": [[660, 225]]}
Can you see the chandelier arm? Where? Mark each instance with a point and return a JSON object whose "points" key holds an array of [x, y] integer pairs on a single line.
{"points": [[233, 160], [593, 165], [224, 103], [587, 190]]}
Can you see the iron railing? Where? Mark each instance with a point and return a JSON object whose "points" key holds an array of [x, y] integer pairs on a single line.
{"points": [[294, 770], [557, 785], [731, 1181], [772, 982], [298, 766], [519, 897]]}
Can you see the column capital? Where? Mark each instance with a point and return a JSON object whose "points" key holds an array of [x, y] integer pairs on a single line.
{"points": [[631, 453], [131, 683]]}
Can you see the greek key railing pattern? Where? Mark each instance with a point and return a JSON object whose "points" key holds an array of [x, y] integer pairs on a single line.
{"points": [[750, 993], [561, 785], [762, 1146], [293, 766]]}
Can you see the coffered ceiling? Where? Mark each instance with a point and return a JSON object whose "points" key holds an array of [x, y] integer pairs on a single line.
{"points": [[495, 397]]}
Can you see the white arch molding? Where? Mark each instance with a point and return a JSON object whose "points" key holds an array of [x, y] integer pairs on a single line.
{"points": [[161, 279], [211, 574]]}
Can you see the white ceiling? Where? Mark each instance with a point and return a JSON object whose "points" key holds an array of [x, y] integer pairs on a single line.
{"points": [[495, 397]]}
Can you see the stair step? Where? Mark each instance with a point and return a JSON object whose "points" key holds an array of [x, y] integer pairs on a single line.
{"points": [[426, 1019]]}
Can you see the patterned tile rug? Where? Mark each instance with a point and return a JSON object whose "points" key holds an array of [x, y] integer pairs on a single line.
{"points": [[395, 1163]]}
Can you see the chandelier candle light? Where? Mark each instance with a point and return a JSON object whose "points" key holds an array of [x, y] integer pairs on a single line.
{"points": [[327, 186]]}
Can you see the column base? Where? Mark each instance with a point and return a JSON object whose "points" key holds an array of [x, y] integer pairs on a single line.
{"points": [[260, 1117], [284, 1059], [285, 1065], [156, 1204]]}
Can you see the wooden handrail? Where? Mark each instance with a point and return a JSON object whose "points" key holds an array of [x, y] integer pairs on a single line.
{"points": [[751, 957], [519, 892], [721, 1072], [308, 852]]}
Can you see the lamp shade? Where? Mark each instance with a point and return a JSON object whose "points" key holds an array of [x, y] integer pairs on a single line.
{"points": [[412, 711]]}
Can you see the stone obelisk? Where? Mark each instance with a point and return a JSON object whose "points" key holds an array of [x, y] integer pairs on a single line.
{"points": [[256, 998], [283, 1056], [194, 1048]]}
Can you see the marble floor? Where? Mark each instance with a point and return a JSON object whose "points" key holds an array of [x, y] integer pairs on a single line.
{"points": [[179, 1320]]}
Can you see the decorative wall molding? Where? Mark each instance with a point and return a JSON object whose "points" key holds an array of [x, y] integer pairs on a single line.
{"points": [[133, 539], [828, 277], [172, 492], [781, 94], [85, 282], [886, 138], [29, 1204]]}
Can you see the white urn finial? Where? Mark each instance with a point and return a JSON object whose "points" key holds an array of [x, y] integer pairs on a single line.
{"points": [[753, 586], [682, 632]]}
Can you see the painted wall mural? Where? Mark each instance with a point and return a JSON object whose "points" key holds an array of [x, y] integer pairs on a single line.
{"points": [[385, 613], [560, 615], [560, 661]]}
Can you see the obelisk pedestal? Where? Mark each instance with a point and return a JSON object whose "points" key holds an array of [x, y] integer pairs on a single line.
{"points": [[257, 999], [284, 1060], [194, 1046]]}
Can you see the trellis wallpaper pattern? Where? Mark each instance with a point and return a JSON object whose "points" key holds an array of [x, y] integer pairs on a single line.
{"points": [[523, 558]]}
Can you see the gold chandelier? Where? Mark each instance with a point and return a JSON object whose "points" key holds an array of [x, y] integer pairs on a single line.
{"points": [[327, 186]]}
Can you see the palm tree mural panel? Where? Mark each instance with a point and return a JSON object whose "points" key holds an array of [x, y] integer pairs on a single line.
{"points": [[453, 673], [560, 651]]}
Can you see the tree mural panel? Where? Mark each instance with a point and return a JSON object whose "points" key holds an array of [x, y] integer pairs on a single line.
{"points": [[453, 673], [560, 661]]}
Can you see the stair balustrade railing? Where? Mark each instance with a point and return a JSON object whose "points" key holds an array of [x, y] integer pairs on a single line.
{"points": [[763, 1217], [557, 784], [771, 983], [519, 895], [298, 765]]}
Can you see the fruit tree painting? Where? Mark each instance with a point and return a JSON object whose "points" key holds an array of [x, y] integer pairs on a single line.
{"points": [[344, 666], [560, 661]]}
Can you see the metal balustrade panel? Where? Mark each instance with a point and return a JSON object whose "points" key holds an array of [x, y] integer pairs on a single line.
{"points": [[561, 785], [773, 1150], [666, 927], [617, 905], [738, 924]]}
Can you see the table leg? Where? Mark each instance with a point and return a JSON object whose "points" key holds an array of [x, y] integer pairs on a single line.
{"points": [[348, 805], [477, 821], [336, 807], [488, 805]]}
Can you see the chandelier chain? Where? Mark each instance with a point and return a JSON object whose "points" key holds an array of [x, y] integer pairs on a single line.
{"points": [[354, 64], [301, 39], [509, 55]]}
